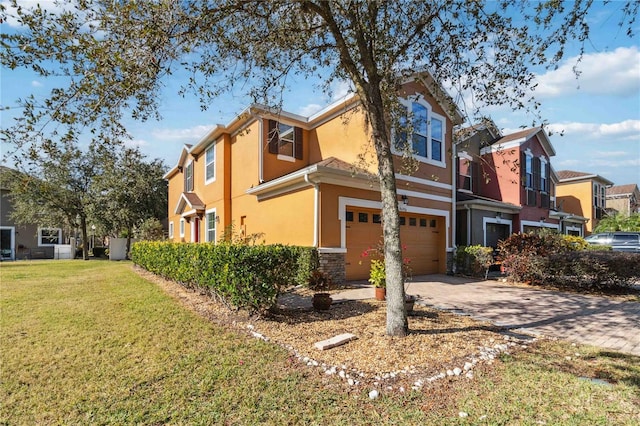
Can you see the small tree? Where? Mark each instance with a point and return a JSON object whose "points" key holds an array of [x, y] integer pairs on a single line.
{"points": [[129, 192], [618, 222]]}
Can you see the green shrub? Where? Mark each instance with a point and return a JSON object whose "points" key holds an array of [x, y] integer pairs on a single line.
{"points": [[474, 260], [594, 270], [559, 260], [244, 276]]}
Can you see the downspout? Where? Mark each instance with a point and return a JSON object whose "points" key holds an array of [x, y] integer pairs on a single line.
{"points": [[454, 207], [260, 152], [468, 225], [316, 203]]}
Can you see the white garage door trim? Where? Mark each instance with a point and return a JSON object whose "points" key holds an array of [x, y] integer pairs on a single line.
{"points": [[343, 202]]}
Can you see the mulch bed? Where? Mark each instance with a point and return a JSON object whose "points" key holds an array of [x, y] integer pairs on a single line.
{"points": [[439, 341]]}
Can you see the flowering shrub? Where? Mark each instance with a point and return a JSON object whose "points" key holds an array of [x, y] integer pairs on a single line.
{"points": [[244, 276], [377, 270]]}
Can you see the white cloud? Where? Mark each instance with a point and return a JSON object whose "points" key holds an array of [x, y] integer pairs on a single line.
{"points": [[188, 135], [36, 83], [625, 130], [611, 154], [136, 143], [340, 89], [309, 109], [50, 6], [606, 73]]}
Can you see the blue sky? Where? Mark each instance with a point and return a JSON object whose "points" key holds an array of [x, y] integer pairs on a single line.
{"points": [[598, 114]]}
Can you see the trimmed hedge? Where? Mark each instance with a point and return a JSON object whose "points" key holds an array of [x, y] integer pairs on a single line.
{"points": [[244, 276], [565, 261]]}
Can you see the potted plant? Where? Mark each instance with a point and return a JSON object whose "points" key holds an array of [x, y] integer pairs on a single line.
{"points": [[319, 281], [377, 277]]}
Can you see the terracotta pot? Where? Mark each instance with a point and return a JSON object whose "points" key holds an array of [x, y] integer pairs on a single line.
{"points": [[321, 301], [381, 293]]}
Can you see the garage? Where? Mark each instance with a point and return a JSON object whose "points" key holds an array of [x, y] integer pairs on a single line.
{"points": [[421, 235]]}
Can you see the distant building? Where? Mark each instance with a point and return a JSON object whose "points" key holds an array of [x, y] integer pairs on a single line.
{"points": [[25, 241], [624, 199], [583, 194]]}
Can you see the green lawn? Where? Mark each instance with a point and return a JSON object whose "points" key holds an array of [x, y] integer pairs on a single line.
{"points": [[92, 342]]}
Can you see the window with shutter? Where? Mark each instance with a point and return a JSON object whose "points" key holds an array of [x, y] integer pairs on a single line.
{"points": [[285, 140]]}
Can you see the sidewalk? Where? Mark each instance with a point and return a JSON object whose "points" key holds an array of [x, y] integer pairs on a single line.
{"points": [[591, 320]]}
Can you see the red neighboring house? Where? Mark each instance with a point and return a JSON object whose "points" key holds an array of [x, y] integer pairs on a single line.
{"points": [[505, 185]]}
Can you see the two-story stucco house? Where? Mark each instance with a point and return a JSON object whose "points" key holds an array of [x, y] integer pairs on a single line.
{"points": [[506, 184], [583, 194], [300, 180]]}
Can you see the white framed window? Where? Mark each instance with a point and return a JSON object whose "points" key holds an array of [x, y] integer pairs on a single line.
{"points": [[182, 226], [210, 223], [49, 237], [465, 172], [188, 177], [170, 229], [210, 164], [425, 134], [286, 144], [528, 170], [544, 177]]}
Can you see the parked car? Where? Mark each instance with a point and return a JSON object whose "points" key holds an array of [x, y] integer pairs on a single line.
{"points": [[619, 241]]}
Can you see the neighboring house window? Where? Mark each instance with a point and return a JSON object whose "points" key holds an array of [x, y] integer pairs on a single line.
{"points": [[170, 229], [437, 138], [466, 171], [427, 132], [543, 176], [285, 140], [182, 225], [210, 233], [210, 164], [528, 170], [188, 178], [49, 236]]}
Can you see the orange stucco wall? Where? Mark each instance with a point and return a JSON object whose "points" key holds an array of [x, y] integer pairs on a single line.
{"points": [[577, 198], [243, 162]]}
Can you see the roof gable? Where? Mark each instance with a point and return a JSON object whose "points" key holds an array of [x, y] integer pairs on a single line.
{"points": [[518, 138], [188, 202]]}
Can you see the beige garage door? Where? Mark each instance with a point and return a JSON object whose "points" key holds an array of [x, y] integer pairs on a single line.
{"points": [[422, 237]]}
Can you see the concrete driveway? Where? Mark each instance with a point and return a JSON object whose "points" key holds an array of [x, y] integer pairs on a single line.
{"points": [[592, 320]]}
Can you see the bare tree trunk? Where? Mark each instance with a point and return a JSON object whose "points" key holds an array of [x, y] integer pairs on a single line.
{"points": [[85, 241], [397, 324]]}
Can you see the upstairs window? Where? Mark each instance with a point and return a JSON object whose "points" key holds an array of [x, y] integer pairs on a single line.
{"points": [[285, 140], [188, 178], [423, 131], [528, 170], [466, 171], [544, 176], [210, 164]]}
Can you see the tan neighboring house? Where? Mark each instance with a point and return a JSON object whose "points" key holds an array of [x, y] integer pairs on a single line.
{"points": [[299, 180], [26, 241], [624, 199], [583, 194]]}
